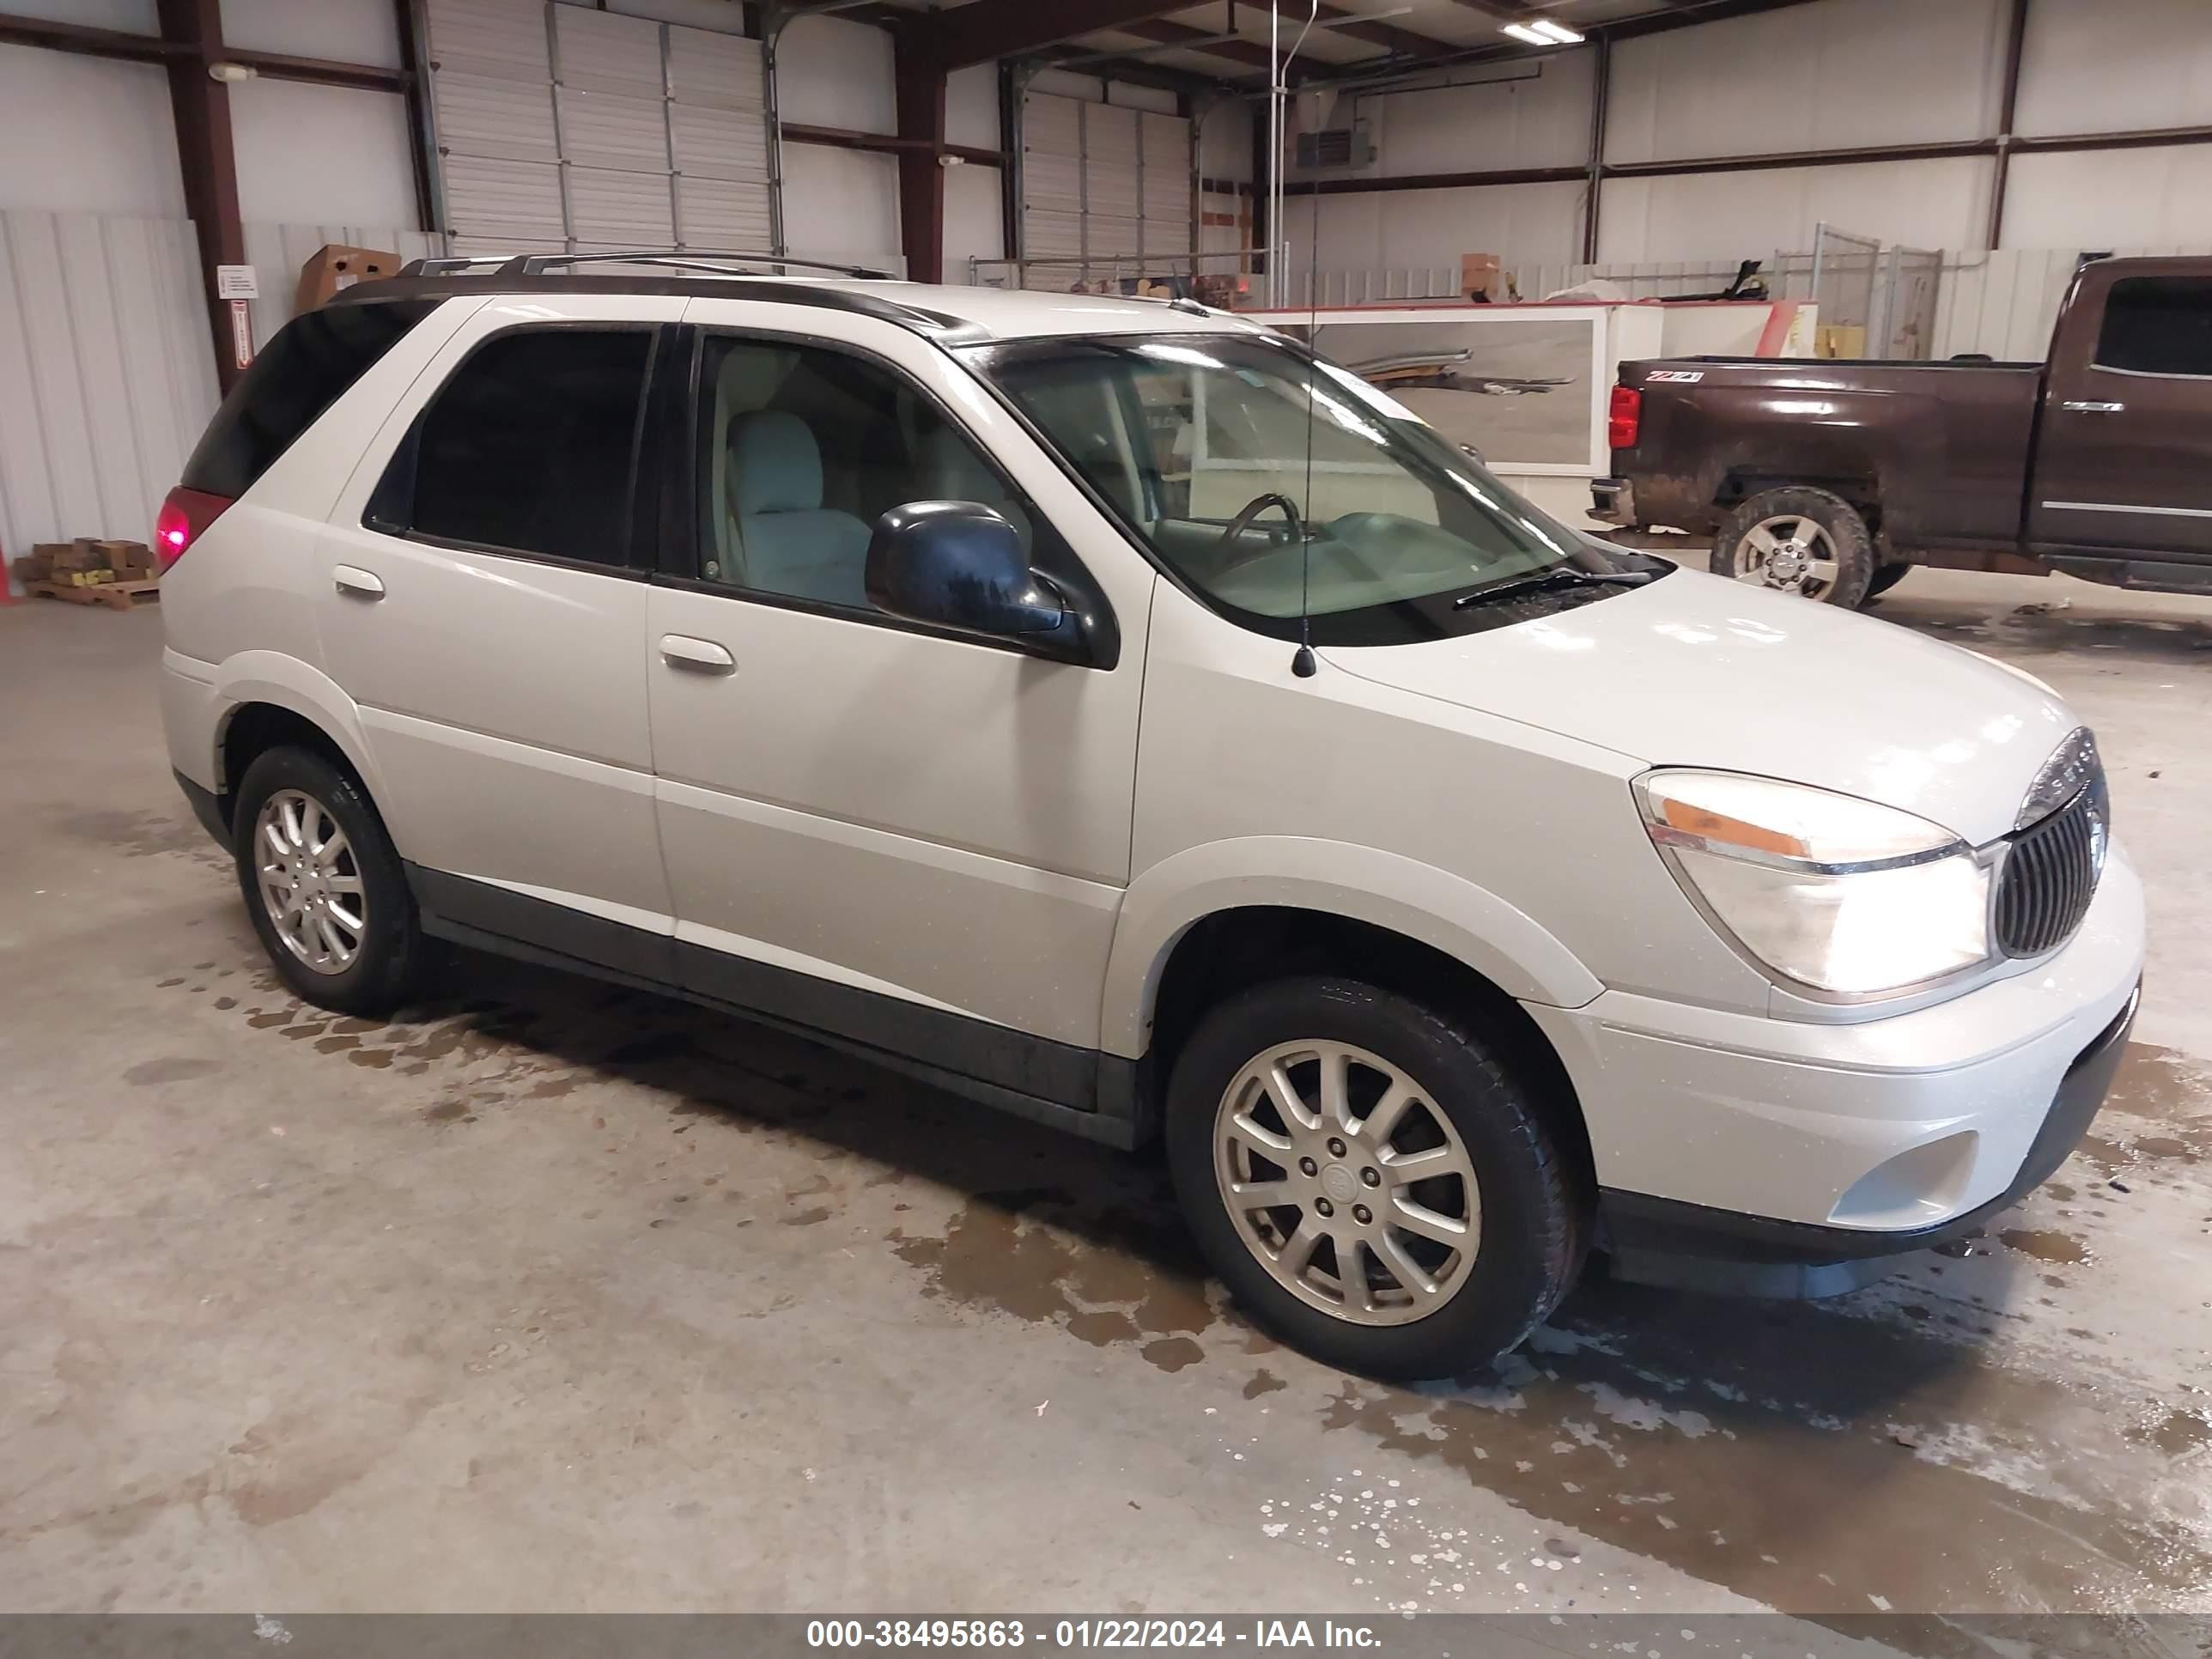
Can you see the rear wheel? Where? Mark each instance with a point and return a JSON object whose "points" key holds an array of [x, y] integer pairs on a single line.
{"points": [[1798, 540], [1369, 1180], [324, 884]]}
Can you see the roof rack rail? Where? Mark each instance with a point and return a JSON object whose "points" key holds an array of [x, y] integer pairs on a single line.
{"points": [[444, 266], [703, 259]]}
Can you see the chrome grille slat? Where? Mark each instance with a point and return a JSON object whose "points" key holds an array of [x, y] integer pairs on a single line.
{"points": [[2049, 874]]}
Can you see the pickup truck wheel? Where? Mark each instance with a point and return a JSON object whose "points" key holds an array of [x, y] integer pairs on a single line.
{"points": [[1798, 540], [1369, 1180]]}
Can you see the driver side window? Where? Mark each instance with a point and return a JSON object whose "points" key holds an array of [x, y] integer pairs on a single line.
{"points": [[802, 448]]}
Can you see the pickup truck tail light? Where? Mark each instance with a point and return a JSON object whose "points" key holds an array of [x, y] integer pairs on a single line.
{"points": [[1624, 417], [182, 520]]}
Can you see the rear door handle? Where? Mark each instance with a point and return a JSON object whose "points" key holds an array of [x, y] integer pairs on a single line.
{"points": [[357, 583], [2082, 407], [700, 656]]}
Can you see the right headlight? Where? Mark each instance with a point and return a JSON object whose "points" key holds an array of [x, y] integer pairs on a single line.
{"points": [[1847, 897]]}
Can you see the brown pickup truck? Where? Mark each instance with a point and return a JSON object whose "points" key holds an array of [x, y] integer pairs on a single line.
{"points": [[1832, 479]]}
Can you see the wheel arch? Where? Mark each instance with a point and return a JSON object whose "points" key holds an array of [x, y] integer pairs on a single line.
{"points": [[1227, 951], [1214, 918], [270, 699]]}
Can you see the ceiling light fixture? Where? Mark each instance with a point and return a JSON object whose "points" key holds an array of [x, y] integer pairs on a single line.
{"points": [[1543, 32]]}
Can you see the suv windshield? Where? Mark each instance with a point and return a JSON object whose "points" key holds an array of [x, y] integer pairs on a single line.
{"points": [[1274, 484]]}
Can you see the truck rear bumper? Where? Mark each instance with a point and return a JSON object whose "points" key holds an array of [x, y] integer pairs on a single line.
{"points": [[1613, 500]]}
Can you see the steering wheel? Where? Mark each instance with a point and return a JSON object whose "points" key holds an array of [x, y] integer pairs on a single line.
{"points": [[1242, 522]]}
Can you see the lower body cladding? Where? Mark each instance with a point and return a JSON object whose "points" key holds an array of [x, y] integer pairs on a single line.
{"points": [[1738, 1153]]}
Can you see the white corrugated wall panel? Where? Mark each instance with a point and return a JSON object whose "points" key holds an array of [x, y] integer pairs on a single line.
{"points": [[497, 200], [107, 372], [2106, 198], [605, 130], [605, 51], [1933, 203], [2115, 66], [1110, 162], [480, 116], [1165, 141], [718, 116], [620, 209], [1052, 156], [720, 70], [723, 213], [1842, 74], [721, 144], [504, 39]]}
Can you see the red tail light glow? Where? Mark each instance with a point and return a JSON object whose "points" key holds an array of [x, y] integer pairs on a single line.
{"points": [[184, 518], [1624, 417]]}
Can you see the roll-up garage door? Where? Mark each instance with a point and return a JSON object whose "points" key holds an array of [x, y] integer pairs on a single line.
{"points": [[1103, 186], [563, 128]]}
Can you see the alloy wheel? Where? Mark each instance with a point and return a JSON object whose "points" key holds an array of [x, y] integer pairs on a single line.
{"points": [[1347, 1182], [310, 883], [1791, 552]]}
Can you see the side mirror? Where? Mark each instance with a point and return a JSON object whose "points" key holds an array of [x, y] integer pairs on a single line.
{"points": [[960, 565]]}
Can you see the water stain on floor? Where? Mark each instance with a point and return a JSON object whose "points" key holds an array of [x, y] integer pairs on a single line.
{"points": [[1028, 1252]]}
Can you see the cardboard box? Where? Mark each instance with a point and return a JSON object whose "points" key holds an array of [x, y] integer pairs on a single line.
{"points": [[38, 564], [1482, 276], [117, 556], [334, 266]]}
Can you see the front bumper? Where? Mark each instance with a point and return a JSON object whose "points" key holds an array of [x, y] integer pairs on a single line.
{"points": [[1613, 500], [1657, 1241], [1755, 1154]]}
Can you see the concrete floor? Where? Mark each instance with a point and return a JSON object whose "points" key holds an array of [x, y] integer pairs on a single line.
{"points": [[547, 1296]]}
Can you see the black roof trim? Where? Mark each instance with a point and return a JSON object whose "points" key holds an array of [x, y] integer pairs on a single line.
{"points": [[947, 329]]}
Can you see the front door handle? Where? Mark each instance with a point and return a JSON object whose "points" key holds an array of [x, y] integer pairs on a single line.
{"points": [[700, 656], [2080, 406], [358, 584]]}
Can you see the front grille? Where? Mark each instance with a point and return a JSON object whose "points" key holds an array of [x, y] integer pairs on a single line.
{"points": [[2049, 874]]}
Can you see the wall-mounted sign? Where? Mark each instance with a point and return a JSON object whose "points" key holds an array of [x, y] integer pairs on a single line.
{"points": [[241, 335], [236, 282]]}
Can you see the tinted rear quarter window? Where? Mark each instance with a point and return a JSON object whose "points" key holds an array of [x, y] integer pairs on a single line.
{"points": [[313, 362], [531, 446], [2158, 325]]}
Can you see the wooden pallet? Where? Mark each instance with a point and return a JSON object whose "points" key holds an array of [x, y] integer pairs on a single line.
{"points": [[116, 596]]}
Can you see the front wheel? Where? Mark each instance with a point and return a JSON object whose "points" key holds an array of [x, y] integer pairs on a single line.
{"points": [[1369, 1180], [324, 884], [1798, 540]]}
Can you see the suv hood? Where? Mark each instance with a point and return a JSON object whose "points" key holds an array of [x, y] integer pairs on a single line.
{"points": [[1697, 671]]}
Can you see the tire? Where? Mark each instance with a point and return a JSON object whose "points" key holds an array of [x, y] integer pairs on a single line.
{"points": [[1885, 577], [1529, 1222], [386, 945], [1766, 540]]}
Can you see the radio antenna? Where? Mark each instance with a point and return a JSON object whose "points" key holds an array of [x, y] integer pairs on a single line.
{"points": [[1302, 662]]}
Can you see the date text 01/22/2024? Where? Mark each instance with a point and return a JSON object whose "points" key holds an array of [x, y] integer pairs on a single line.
{"points": [[1087, 1633]]}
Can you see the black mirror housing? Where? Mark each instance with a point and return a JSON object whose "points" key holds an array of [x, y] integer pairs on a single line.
{"points": [[960, 565]]}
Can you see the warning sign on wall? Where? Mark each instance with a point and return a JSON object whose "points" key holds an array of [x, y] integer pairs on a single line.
{"points": [[241, 335]]}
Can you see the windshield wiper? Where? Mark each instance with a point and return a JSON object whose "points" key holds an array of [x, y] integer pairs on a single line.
{"points": [[1557, 576]]}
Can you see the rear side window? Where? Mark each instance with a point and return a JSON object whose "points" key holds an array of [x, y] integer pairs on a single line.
{"points": [[308, 367], [2158, 325], [530, 448]]}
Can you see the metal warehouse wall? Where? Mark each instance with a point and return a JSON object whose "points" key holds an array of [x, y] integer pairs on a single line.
{"points": [[1837, 74], [107, 372]]}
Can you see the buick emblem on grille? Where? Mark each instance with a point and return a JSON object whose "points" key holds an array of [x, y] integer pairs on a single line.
{"points": [[2064, 776]]}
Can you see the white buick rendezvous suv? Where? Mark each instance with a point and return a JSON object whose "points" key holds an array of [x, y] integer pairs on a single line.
{"points": [[1106, 710]]}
